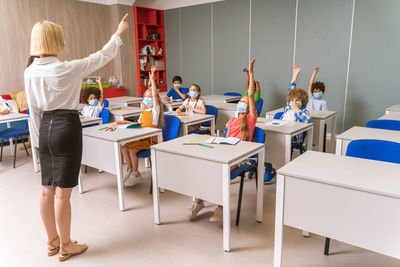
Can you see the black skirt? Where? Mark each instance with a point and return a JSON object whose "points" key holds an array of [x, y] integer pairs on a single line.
{"points": [[60, 148]]}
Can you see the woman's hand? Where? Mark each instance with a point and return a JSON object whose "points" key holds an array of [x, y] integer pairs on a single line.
{"points": [[98, 79], [122, 27]]}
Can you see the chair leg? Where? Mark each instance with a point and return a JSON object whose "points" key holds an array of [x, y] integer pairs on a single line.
{"points": [[85, 168], [324, 143], [151, 179], [1, 154], [26, 150], [256, 172], [327, 243], [240, 199], [15, 150]]}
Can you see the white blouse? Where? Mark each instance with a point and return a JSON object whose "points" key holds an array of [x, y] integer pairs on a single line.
{"points": [[51, 84]]}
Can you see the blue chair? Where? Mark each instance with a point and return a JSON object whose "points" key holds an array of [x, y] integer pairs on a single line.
{"points": [[105, 115], [15, 133], [278, 116], [380, 150], [210, 110], [170, 131], [106, 103], [258, 137], [384, 124], [232, 94], [260, 103]]}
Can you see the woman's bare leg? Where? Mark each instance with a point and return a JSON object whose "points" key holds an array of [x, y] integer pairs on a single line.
{"points": [[47, 212]]}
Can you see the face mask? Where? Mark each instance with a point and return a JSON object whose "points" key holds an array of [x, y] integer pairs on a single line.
{"points": [[177, 85], [241, 107], [318, 95], [94, 102], [193, 94], [148, 101], [298, 104]]}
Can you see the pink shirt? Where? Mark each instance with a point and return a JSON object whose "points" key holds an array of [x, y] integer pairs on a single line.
{"points": [[234, 126]]}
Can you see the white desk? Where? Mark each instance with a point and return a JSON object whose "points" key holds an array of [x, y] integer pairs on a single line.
{"points": [[395, 109], [102, 150], [390, 116], [356, 201], [90, 120], [12, 117], [124, 101], [278, 139], [318, 118], [212, 183], [81, 106], [357, 133], [171, 106], [194, 119], [221, 98], [225, 112], [123, 113]]}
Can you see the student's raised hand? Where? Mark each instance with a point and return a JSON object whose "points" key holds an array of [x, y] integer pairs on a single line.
{"points": [[316, 69], [151, 73], [251, 65], [98, 79], [245, 70], [123, 26], [296, 69]]}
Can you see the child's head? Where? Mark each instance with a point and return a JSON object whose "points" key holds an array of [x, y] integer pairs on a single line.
{"points": [[177, 81], [318, 89], [242, 108], [91, 96], [298, 95], [194, 91]]}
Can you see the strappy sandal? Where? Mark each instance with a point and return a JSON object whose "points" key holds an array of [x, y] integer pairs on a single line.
{"points": [[65, 254], [55, 249]]}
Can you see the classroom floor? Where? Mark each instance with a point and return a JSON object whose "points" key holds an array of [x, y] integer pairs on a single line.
{"points": [[132, 239]]}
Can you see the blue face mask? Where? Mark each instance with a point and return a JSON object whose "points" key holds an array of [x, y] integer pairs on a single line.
{"points": [[298, 104], [94, 102], [177, 85], [241, 107], [193, 94], [148, 101], [318, 95]]}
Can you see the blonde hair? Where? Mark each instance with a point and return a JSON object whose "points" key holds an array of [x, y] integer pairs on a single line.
{"points": [[244, 128], [299, 94], [47, 38]]}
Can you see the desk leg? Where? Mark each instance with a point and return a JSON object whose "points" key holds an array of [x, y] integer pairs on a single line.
{"points": [[80, 186], [11, 141], [213, 127], [288, 148], [339, 146], [260, 187], [185, 129], [226, 182], [118, 166], [280, 192], [35, 158], [310, 137], [156, 194], [321, 136], [333, 134]]}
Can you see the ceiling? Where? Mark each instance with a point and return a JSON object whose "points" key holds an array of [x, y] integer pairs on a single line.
{"points": [[111, 2], [157, 4]]}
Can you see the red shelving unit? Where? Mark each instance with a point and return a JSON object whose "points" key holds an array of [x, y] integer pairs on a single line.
{"points": [[149, 31]]}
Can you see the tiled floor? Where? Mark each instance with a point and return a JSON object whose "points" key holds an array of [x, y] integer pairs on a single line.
{"points": [[132, 239]]}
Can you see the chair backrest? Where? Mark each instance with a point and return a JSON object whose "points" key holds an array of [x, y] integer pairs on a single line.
{"points": [[233, 94], [171, 127], [278, 115], [384, 124], [374, 149], [259, 135], [210, 110], [105, 115], [260, 103], [106, 103]]}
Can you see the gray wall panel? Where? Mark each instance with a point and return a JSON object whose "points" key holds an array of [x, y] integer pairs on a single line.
{"points": [[374, 66], [171, 23]]}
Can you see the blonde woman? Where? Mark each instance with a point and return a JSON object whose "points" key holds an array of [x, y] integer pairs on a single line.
{"points": [[52, 89]]}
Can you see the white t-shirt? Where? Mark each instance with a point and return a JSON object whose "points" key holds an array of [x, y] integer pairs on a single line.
{"points": [[92, 111], [193, 104], [155, 112]]}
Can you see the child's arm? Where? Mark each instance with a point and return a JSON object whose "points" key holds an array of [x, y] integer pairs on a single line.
{"points": [[257, 87], [296, 72], [101, 100], [310, 83], [179, 110], [154, 91], [247, 78], [201, 110], [252, 103], [183, 96]]}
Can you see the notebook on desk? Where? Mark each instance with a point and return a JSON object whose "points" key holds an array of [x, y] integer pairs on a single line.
{"points": [[222, 140], [129, 126]]}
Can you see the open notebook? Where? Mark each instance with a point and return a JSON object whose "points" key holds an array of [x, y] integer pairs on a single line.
{"points": [[222, 140], [129, 126]]}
